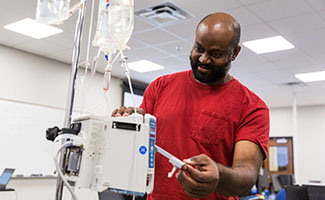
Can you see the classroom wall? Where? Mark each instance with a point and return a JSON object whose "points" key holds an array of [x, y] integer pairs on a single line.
{"points": [[310, 138], [31, 79]]}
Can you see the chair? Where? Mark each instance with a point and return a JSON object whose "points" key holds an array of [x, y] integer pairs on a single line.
{"points": [[262, 181], [275, 183], [316, 192], [281, 195]]}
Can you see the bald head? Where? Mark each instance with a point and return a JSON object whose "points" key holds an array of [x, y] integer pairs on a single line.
{"points": [[221, 22]]}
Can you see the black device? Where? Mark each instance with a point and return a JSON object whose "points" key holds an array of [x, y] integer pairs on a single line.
{"points": [[5, 178]]}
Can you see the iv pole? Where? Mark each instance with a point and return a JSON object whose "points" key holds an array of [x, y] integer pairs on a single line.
{"points": [[72, 83]]}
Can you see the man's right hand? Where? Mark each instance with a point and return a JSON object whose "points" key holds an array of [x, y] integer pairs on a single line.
{"points": [[123, 111]]}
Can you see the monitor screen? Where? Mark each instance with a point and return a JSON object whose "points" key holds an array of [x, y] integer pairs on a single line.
{"points": [[6, 176]]}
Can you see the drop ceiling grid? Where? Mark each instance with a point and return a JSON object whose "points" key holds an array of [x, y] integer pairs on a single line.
{"points": [[201, 9], [277, 9]]}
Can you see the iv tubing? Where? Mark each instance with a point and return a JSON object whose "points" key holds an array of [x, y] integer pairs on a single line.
{"points": [[89, 108], [116, 57], [107, 103], [60, 171], [89, 35], [127, 73], [94, 66]]}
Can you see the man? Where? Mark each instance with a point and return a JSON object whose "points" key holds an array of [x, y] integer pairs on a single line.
{"points": [[206, 115]]}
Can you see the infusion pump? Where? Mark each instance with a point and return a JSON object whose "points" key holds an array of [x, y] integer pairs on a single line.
{"points": [[115, 153]]}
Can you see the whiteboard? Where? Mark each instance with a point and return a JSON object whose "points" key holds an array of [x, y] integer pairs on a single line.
{"points": [[23, 145]]}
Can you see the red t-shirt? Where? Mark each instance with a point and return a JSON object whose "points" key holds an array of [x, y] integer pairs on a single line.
{"points": [[193, 118]]}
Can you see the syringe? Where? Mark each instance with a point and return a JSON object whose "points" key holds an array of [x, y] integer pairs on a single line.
{"points": [[177, 163]]}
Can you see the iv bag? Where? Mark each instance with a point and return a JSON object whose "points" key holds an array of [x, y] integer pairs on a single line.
{"points": [[121, 21], [52, 11], [102, 37], [115, 25]]}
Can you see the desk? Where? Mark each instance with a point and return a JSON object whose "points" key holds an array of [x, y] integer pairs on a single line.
{"points": [[8, 195], [43, 188]]}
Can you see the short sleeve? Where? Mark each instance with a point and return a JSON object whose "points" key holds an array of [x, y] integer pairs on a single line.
{"points": [[255, 128], [149, 96]]}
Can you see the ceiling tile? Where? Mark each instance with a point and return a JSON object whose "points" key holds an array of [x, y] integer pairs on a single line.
{"points": [[62, 55], [185, 29], [293, 25], [10, 38], [139, 5], [285, 54], [249, 59], [185, 57], [148, 53], [136, 44], [39, 47], [304, 69], [154, 37], [248, 2], [322, 14], [7, 17], [317, 4], [200, 9], [277, 9], [170, 62], [305, 39], [261, 67], [64, 39], [292, 58], [278, 77], [246, 17], [140, 25], [257, 31], [176, 47], [250, 80]]}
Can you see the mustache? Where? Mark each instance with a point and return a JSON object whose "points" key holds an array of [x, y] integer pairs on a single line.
{"points": [[204, 66]]}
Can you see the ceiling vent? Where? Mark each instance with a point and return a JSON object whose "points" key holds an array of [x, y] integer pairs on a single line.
{"points": [[164, 14], [295, 84]]}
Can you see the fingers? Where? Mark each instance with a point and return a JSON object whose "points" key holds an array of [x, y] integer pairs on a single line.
{"points": [[141, 111], [193, 188], [123, 111], [128, 111], [119, 111], [199, 177]]}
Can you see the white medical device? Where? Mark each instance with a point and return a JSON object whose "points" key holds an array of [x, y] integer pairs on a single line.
{"points": [[116, 153]]}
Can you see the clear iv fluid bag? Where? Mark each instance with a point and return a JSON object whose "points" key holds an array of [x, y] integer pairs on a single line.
{"points": [[52, 11], [121, 21], [115, 25], [102, 37]]}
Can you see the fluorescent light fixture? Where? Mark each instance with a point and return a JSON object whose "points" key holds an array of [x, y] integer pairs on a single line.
{"points": [[311, 77], [144, 66], [31, 28], [266, 45]]}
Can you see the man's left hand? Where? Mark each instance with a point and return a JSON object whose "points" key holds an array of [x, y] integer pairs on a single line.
{"points": [[199, 177]]}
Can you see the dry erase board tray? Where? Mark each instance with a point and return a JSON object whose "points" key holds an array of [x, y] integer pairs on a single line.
{"points": [[34, 176]]}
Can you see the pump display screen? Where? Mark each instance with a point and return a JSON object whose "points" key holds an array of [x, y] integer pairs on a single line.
{"points": [[152, 130]]}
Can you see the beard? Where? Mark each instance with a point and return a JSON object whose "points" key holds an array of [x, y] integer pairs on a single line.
{"points": [[216, 72]]}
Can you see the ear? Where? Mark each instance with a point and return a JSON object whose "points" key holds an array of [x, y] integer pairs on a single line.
{"points": [[236, 52]]}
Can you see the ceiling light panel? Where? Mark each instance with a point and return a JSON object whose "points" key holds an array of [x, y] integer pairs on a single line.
{"points": [[31, 28], [267, 45], [311, 76], [144, 66]]}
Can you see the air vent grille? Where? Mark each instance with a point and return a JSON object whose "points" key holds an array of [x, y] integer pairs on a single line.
{"points": [[164, 14]]}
